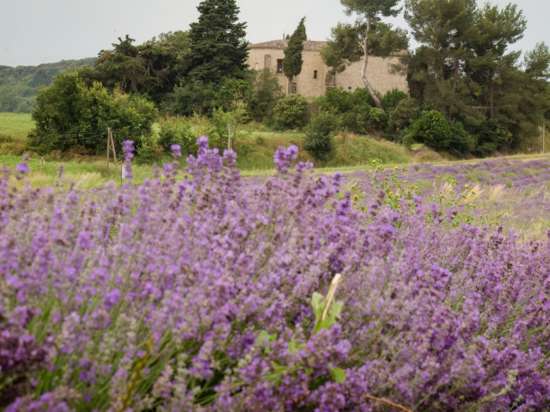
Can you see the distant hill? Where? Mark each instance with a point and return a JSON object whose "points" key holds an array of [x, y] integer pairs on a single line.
{"points": [[19, 85]]}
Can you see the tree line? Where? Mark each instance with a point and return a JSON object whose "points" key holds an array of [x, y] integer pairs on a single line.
{"points": [[469, 93]]}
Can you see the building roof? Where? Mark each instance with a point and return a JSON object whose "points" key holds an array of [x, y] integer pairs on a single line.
{"points": [[309, 45]]}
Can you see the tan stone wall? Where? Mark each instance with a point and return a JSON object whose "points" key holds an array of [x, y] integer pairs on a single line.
{"points": [[379, 72], [307, 85]]}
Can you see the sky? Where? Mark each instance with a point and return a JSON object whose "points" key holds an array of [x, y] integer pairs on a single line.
{"points": [[43, 31]]}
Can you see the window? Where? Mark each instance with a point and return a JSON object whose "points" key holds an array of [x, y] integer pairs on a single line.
{"points": [[315, 74], [293, 88], [267, 61], [279, 65]]}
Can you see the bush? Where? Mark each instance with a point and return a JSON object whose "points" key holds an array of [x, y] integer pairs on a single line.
{"points": [[392, 98], [177, 131], [403, 115], [192, 98], [318, 140], [70, 115], [290, 112], [491, 138], [377, 119], [266, 92], [203, 98], [434, 130], [226, 125], [354, 109], [340, 101]]}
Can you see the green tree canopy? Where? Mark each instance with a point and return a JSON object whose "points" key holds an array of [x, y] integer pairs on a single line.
{"points": [[369, 35], [150, 69], [218, 45], [465, 69]]}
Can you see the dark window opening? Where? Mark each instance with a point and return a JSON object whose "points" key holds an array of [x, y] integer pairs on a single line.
{"points": [[293, 88], [279, 65], [315, 74]]}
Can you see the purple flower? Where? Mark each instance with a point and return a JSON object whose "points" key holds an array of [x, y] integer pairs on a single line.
{"points": [[284, 157], [175, 149], [22, 168]]}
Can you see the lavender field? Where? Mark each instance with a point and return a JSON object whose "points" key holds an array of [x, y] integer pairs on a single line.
{"points": [[424, 288]]}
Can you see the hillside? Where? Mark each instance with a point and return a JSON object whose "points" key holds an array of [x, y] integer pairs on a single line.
{"points": [[19, 85]]}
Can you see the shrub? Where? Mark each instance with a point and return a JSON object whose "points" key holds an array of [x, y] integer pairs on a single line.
{"points": [[297, 292], [318, 140], [266, 92], [290, 112], [195, 97], [403, 115], [176, 130], [377, 119], [392, 98], [340, 101], [226, 125], [192, 98], [70, 115], [491, 138], [354, 109], [434, 130]]}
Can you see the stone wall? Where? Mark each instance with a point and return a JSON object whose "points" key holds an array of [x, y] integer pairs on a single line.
{"points": [[312, 81]]}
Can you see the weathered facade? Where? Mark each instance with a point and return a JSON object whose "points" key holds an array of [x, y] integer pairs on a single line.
{"points": [[316, 78]]}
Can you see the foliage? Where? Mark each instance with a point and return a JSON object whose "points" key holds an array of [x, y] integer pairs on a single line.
{"points": [[354, 110], [177, 130], [434, 130], [151, 69], [70, 115], [465, 69], [392, 99], [299, 291], [218, 47], [293, 60], [319, 135], [369, 35], [340, 101], [20, 85], [290, 112], [266, 91], [226, 124], [406, 111], [491, 137], [192, 97]]}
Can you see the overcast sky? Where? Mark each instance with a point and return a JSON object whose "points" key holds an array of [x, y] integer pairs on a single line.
{"points": [[39, 31]]}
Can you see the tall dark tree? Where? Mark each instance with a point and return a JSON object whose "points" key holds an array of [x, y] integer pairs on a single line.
{"points": [[368, 36], [293, 61], [218, 45]]}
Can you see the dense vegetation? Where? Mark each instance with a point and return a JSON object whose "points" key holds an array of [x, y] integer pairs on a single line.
{"points": [[294, 292], [470, 95], [20, 85]]}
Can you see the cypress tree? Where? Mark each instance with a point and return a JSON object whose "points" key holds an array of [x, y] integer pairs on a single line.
{"points": [[293, 61]]}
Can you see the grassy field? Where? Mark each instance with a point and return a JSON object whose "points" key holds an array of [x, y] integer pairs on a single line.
{"points": [[255, 145], [16, 125], [14, 128]]}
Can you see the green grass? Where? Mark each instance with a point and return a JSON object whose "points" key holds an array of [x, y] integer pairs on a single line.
{"points": [[16, 125], [14, 128]]}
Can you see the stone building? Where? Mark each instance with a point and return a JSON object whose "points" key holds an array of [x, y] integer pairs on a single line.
{"points": [[316, 78]]}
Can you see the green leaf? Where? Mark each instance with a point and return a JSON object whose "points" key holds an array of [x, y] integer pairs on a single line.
{"points": [[338, 375]]}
